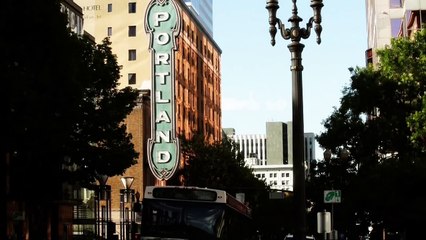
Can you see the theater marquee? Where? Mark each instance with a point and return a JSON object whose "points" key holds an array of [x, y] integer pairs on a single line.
{"points": [[162, 23]]}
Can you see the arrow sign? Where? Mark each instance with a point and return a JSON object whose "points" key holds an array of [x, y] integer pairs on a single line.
{"points": [[332, 196]]}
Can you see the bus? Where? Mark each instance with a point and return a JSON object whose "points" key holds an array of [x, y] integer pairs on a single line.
{"points": [[193, 213]]}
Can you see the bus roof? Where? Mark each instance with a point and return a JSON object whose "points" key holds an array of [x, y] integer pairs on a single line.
{"points": [[185, 193]]}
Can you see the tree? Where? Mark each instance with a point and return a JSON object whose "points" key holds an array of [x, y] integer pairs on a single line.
{"points": [[100, 142], [381, 121], [220, 165], [217, 165], [60, 107]]}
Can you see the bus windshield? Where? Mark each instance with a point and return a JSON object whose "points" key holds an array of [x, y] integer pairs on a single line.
{"points": [[191, 213], [185, 220]]}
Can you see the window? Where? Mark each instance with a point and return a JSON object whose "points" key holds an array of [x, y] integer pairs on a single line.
{"points": [[132, 78], [109, 7], [132, 7], [395, 3], [287, 174], [132, 54], [270, 175], [396, 27], [109, 31], [132, 31]]}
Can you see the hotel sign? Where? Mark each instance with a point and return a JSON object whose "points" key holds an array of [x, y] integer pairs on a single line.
{"points": [[162, 23]]}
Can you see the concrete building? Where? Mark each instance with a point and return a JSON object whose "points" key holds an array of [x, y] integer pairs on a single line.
{"points": [[253, 146], [270, 155], [387, 19], [277, 143]]}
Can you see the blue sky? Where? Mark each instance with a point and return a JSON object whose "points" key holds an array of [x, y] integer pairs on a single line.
{"points": [[256, 77]]}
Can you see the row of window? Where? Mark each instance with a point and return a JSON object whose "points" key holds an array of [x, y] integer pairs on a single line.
{"points": [[132, 7], [282, 182], [400, 26], [131, 31], [272, 175]]}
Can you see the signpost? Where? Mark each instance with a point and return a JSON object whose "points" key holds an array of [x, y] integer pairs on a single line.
{"points": [[162, 23], [332, 196]]}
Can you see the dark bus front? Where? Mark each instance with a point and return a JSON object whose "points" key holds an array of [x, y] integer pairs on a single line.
{"points": [[193, 220]]}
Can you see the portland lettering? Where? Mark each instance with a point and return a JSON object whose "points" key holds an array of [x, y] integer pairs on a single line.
{"points": [[162, 23]]}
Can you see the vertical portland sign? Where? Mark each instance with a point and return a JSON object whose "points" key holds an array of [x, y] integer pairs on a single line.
{"points": [[162, 23]]}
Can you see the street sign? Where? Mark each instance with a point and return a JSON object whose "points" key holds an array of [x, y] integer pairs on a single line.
{"points": [[332, 196]]}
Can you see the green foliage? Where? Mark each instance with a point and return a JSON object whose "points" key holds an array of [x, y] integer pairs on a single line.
{"points": [[100, 142], [59, 102], [417, 123], [220, 165], [405, 64], [217, 165], [381, 121]]}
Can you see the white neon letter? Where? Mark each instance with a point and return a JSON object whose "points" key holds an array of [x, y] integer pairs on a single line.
{"points": [[158, 98], [163, 38], [163, 157], [162, 77], [163, 116], [162, 58], [162, 136], [160, 17]]}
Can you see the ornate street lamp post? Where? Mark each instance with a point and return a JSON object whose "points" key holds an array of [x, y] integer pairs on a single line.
{"points": [[127, 216], [295, 34], [103, 228]]}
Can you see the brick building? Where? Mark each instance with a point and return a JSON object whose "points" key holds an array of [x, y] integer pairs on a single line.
{"points": [[197, 78]]}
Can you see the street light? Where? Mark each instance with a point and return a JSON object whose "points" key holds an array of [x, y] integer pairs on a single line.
{"points": [[104, 227], [127, 216], [295, 34]]}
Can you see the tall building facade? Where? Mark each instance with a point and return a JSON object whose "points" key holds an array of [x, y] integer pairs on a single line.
{"points": [[253, 148], [197, 85], [277, 143], [197, 61], [387, 19], [203, 9], [270, 154]]}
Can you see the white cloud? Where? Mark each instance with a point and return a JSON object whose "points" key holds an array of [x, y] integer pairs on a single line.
{"points": [[234, 104], [277, 105]]}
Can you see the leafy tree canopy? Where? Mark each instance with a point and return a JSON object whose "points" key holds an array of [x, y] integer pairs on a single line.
{"points": [[221, 165], [60, 104], [381, 121], [217, 165]]}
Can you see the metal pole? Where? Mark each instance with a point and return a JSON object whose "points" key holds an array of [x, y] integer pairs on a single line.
{"points": [[295, 34], [296, 49], [332, 217]]}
